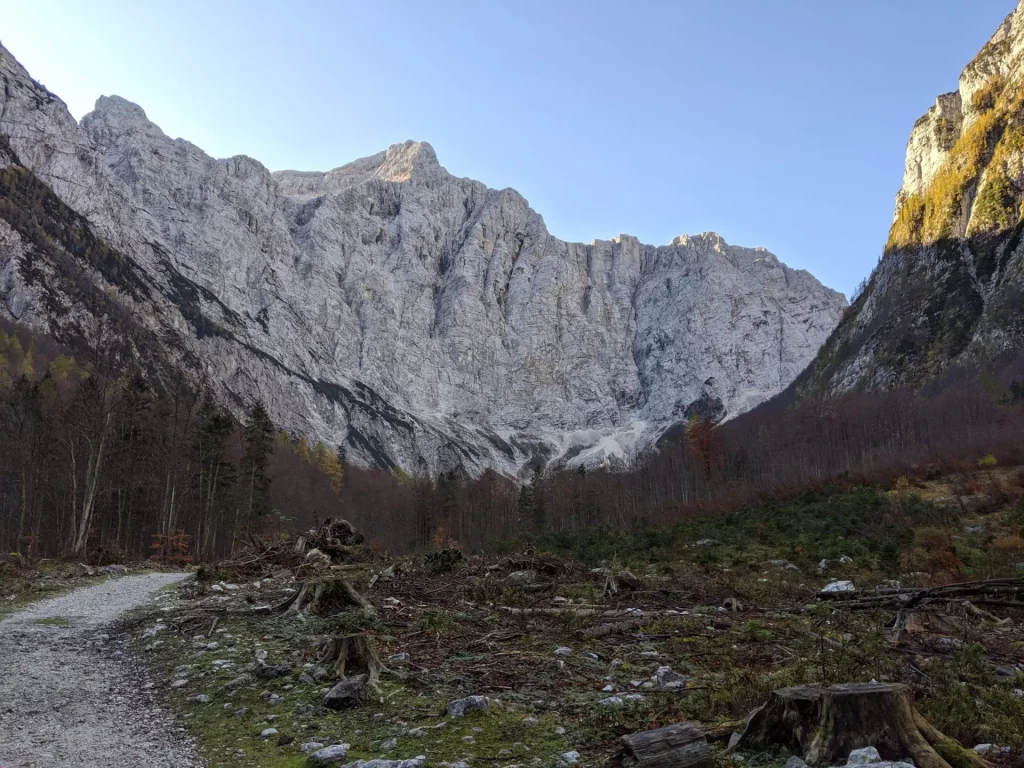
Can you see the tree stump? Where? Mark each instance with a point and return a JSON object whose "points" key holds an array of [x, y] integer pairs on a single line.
{"points": [[353, 654], [325, 595], [675, 746], [824, 724]]}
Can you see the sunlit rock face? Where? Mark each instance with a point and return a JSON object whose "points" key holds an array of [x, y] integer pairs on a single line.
{"points": [[949, 289], [419, 319]]}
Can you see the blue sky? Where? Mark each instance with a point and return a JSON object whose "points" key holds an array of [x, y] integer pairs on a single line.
{"points": [[779, 123]]}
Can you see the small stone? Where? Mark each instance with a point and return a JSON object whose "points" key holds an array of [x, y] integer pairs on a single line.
{"points": [[400, 658], [611, 701], [529, 722], [608, 689], [794, 762], [864, 755], [199, 698], [839, 586], [668, 680], [346, 693], [523, 577], [238, 682], [571, 757], [269, 671], [216, 588], [389, 745], [560, 731], [459, 707], [311, 746], [241, 712], [563, 651], [734, 739], [266, 733], [332, 755], [179, 683], [469, 739]]}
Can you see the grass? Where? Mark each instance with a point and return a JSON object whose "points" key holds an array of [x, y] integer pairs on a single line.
{"points": [[54, 621], [460, 643]]}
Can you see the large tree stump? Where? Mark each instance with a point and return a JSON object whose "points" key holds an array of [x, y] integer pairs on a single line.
{"points": [[675, 746], [325, 595], [353, 654], [823, 724]]}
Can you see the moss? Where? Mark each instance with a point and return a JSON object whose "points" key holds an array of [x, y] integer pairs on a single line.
{"points": [[954, 754], [54, 621]]}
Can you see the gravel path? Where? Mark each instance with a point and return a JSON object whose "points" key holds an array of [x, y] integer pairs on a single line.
{"points": [[71, 695]]}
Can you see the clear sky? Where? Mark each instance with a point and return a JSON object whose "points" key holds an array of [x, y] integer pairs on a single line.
{"points": [[779, 123]]}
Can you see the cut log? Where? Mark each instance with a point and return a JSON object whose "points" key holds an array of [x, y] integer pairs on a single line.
{"points": [[823, 724], [603, 630], [675, 746]]}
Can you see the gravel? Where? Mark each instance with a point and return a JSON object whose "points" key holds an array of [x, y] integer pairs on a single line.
{"points": [[74, 696]]}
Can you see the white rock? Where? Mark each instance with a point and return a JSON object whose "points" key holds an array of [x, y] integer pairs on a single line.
{"points": [[839, 586], [390, 286], [864, 755], [572, 757]]}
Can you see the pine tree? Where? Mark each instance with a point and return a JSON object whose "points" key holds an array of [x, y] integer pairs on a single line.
{"points": [[259, 444]]}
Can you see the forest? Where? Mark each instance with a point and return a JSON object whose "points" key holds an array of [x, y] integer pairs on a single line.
{"points": [[97, 464]]}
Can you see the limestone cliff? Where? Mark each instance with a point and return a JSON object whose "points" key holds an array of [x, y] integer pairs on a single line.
{"points": [[420, 319], [948, 289]]}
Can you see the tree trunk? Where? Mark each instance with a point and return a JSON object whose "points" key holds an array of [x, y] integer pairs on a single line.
{"points": [[824, 724], [675, 746]]}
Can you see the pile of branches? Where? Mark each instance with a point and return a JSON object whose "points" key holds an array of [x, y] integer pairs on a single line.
{"points": [[335, 542], [1006, 593], [938, 609]]}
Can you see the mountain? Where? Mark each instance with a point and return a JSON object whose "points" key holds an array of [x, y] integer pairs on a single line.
{"points": [[949, 289], [419, 319]]}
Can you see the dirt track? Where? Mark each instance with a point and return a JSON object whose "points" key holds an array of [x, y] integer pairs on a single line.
{"points": [[71, 695]]}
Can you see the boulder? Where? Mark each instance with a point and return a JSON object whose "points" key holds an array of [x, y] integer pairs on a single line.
{"points": [[347, 693], [328, 756], [459, 707]]}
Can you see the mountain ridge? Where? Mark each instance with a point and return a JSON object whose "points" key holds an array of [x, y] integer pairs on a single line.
{"points": [[419, 319]]}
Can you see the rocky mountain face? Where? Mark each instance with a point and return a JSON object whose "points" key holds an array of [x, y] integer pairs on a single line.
{"points": [[419, 319], [950, 286]]}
